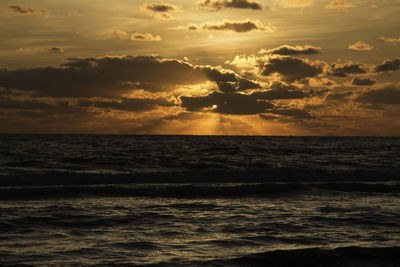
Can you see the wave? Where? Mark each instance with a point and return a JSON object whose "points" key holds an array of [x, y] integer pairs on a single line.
{"points": [[196, 190], [202, 175]]}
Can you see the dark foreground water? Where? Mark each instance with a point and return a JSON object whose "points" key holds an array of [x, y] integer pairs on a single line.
{"points": [[199, 201]]}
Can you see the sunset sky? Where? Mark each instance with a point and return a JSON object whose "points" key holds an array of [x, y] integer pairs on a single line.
{"points": [[243, 67]]}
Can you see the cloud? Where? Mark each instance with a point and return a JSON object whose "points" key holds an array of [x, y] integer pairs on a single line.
{"points": [[363, 81], [160, 10], [238, 26], [361, 46], [227, 25], [145, 91], [227, 103], [104, 76], [160, 7], [342, 70], [25, 10], [227, 81], [258, 101], [113, 76], [339, 96], [390, 40], [129, 104], [294, 113], [122, 35], [296, 3], [291, 68], [188, 27], [245, 84], [56, 50], [30, 104], [279, 90], [147, 37], [387, 95], [388, 65], [287, 50], [243, 104], [221, 4], [250, 65], [339, 4], [192, 27], [37, 50]]}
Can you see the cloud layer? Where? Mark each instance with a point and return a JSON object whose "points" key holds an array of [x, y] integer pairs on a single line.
{"points": [[160, 10], [148, 37], [221, 4], [25, 10], [237, 26], [287, 50], [291, 68], [146, 92]]}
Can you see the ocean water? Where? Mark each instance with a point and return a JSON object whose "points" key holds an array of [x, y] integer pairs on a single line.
{"points": [[199, 200]]}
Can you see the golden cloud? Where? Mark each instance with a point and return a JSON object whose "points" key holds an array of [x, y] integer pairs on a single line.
{"points": [[361, 46]]}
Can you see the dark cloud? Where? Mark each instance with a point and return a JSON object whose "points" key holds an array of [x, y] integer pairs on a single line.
{"points": [[245, 84], [279, 90], [343, 70], [339, 96], [80, 63], [240, 85], [240, 27], [228, 81], [220, 4], [106, 76], [386, 95], [291, 68], [363, 81], [227, 87], [113, 76], [129, 104], [227, 103], [160, 7], [160, 10], [25, 10], [287, 50], [388, 65], [8, 103], [38, 106], [293, 113], [283, 94], [192, 27], [213, 74], [56, 50]]}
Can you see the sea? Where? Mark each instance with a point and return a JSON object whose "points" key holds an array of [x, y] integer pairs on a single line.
{"points": [[152, 200]]}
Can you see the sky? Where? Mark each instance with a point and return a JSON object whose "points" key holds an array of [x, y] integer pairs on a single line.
{"points": [[224, 67]]}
